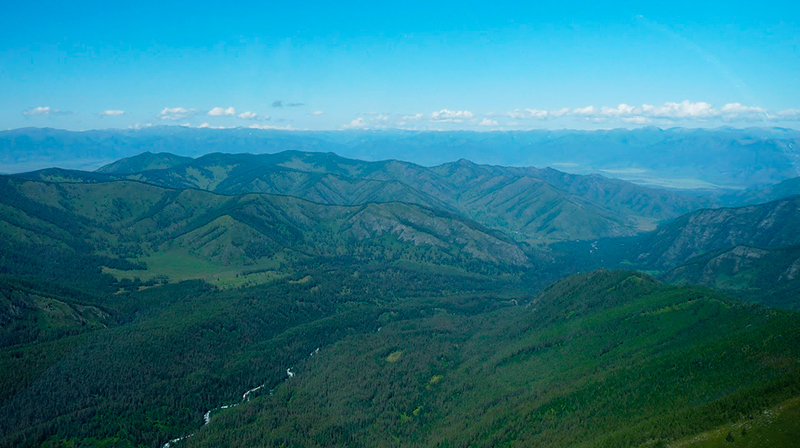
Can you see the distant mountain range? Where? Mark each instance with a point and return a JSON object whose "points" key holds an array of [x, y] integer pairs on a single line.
{"points": [[680, 158]]}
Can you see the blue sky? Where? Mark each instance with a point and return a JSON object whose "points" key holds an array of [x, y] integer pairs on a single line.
{"points": [[452, 65]]}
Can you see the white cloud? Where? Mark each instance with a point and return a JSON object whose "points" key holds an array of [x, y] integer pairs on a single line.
{"points": [[175, 113], [537, 114], [451, 116], [738, 108], [560, 112], [488, 122], [619, 111], [138, 126], [41, 110], [788, 114], [222, 112], [44, 111], [111, 113], [740, 112], [379, 121], [414, 117], [684, 109], [585, 111], [358, 123], [247, 115], [317, 113]]}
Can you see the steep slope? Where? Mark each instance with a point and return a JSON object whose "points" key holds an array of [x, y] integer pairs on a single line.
{"points": [[601, 359], [769, 225]]}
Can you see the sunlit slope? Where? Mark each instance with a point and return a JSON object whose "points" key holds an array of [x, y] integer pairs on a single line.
{"points": [[601, 359]]}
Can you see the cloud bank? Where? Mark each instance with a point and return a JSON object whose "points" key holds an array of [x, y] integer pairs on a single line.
{"points": [[646, 113], [668, 113]]}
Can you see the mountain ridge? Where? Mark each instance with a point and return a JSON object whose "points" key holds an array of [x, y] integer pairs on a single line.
{"points": [[479, 192]]}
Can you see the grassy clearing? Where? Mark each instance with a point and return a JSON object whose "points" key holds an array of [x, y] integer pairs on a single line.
{"points": [[178, 265]]}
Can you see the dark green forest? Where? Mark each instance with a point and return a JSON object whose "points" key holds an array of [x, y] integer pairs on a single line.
{"points": [[525, 309]]}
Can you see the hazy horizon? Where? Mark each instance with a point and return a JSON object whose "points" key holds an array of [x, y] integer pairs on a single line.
{"points": [[731, 158]]}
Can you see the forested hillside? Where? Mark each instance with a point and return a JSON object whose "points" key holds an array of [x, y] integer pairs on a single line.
{"points": [[136, 227], [603, 359], [537, 205]]}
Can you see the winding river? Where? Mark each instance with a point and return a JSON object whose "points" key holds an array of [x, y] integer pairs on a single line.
{"points": [[245, 398]]}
